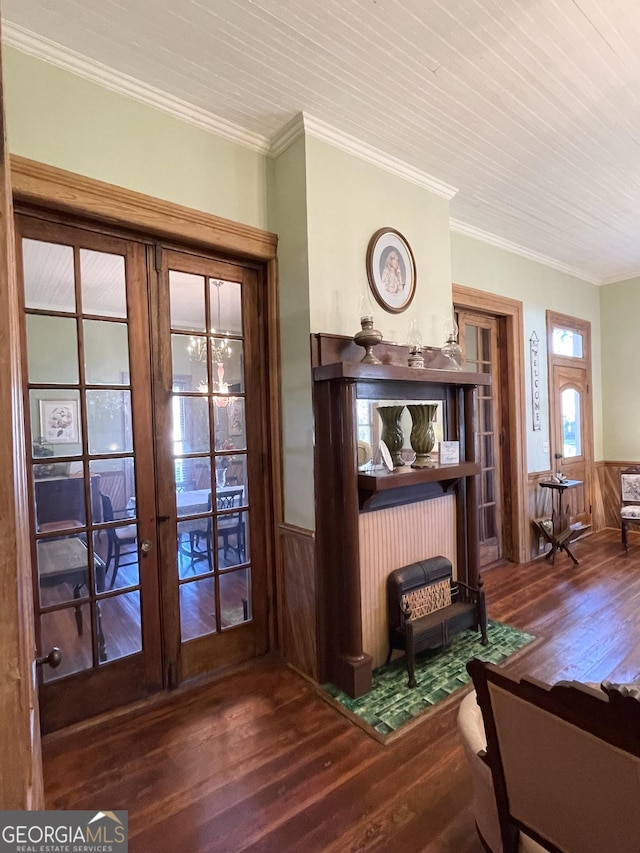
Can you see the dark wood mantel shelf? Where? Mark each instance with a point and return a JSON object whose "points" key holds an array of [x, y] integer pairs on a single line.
{"points": [[405, 485], [385, 372]]}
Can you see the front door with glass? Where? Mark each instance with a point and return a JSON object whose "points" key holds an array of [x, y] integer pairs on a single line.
{"points": [[571, 412]]}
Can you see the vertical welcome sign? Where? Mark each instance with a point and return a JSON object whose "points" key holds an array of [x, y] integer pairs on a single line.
{"points": [[534, 345]]}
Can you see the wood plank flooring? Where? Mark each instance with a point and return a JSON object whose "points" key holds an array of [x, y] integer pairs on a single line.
{"points": [[257, 761]]}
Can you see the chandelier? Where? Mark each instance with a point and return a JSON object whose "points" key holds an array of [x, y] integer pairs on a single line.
{"points": [[220, 349], [197, 348]]}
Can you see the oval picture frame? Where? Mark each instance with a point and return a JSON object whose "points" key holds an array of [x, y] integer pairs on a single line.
{"points": [[391, 270]]}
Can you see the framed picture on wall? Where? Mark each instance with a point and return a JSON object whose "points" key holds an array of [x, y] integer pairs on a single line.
{"points": [[235, 412], [391, 270], [59, 421]]}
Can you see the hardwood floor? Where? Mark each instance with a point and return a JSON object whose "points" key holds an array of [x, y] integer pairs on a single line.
{"points": [[258, 761]]}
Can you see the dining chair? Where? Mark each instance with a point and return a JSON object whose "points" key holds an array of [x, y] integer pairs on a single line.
{"points": [[118, 538], [203, 533], [231, 523]]}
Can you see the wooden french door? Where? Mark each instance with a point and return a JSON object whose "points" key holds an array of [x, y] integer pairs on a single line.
{"points": [[571, 410], [479, 340], [87, 392], [212, 428], [145, 400], [570, 414]]}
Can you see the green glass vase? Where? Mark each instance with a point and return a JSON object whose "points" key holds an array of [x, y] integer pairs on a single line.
{"points": [[422, 437], [392, 432]]}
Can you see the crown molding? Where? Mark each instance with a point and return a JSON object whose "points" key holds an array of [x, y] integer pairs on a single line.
{"points": [[514, 248], [619, 277], [41, 48], [287, 135], [302, 123], [62, 57], [69, 60]]}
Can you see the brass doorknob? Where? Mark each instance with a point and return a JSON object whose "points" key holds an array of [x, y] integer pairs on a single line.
{"points": [[145, 546], [54, 658]]}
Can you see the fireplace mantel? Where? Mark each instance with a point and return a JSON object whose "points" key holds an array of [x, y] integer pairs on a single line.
{"points": [[342, 492]]}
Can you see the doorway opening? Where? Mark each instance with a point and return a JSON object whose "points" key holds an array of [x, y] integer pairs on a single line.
{"points": [[491, 335], [147, 410], [571, 411]]}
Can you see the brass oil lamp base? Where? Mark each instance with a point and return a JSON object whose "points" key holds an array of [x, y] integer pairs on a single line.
{"points": [[368, 337]]}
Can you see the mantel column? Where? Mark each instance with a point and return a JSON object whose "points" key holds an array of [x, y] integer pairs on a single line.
{"points": [[353, 667], [473, 552]]}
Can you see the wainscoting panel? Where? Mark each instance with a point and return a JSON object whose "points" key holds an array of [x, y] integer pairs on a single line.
{"points": [[605, 497], [539, 507], [598, 508], [298, 600], [609, 481], [391, 538]]}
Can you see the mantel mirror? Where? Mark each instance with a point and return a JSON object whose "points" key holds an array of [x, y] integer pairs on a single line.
{"points": [[370, 429]]}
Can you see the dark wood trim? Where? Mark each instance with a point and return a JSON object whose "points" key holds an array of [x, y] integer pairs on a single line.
{"points": [[513, 400], [298, 602], [583, 327], [340, 490], [38, 184], [328, 348], [21, 784], [273, 470], [44, 189]]}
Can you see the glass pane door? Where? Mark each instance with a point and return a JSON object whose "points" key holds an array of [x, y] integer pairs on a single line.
{"points": [[479, 342], [210, 454], [87, 400], [212, 501]]}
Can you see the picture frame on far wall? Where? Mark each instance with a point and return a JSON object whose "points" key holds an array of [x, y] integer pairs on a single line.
{"points": [[391, 270], [59, 421], [235, 413]]}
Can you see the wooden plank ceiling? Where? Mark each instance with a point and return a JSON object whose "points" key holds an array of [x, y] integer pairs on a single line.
{"points": [[529, 108]]}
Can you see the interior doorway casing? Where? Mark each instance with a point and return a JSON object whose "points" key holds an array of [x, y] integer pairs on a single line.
{"points": [[513, 445], [37, 187], [572, 373]]}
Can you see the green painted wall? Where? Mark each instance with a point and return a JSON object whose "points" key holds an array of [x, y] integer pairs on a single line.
{"points": [[348, 200], [60, 119], [288, 218], [620, 309], [539, 288], [325, 204]]}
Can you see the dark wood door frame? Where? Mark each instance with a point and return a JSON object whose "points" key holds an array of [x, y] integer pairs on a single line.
{"points": [[21, 785], [513, 448], [583, 363], [38, 186]]}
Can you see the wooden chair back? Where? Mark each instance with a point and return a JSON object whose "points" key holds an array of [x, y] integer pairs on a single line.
{"points": [[565, 762]]}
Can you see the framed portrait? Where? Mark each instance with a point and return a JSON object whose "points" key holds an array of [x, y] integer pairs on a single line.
{"points": [[391, 270], [236, 416], [59, 421]]}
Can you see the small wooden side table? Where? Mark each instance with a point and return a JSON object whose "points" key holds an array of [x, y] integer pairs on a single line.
{"points": [[560, 533]]}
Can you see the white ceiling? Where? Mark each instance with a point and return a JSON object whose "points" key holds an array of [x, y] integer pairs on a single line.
{"points": [[530, 109]]}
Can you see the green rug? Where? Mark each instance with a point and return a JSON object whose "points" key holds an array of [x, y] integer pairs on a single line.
{"points": [[391, 705]]}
